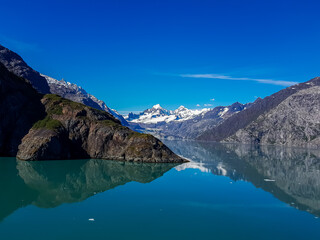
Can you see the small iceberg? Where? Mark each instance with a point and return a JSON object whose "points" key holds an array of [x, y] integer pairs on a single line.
{"points": [[269, 180], [91, 219]]}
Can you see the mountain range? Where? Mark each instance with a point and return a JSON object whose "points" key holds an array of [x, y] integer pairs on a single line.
{"points": [[182, 123], [289, 117], [158, 114]]}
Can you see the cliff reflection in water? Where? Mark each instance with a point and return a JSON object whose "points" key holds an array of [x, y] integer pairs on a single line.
{"points": [[51, 183], [291, 175]]}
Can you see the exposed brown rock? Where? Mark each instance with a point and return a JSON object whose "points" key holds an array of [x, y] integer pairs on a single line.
{"points": [[73, 130], [50, 127]]}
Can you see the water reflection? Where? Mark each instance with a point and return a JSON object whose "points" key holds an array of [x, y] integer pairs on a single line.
{"points": [[49, 184], [292, 175]]}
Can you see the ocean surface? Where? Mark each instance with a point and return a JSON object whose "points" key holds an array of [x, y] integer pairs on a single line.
{"points": [[226, 191]]}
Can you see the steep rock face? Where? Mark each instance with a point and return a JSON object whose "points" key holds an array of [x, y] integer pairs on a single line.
{"points": [[75, 130], [20, 108], [45, 144], [294, 122], [261, 106], [15, 64]]}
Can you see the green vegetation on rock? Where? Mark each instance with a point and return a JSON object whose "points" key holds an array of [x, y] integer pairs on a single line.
{"points": [[56, 103], [110, 123], [140, 135], [48, 123]]}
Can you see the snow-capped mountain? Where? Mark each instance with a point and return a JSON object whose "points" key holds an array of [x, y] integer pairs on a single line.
{"points": [[78, 94], [182, 123], [157, 114]]}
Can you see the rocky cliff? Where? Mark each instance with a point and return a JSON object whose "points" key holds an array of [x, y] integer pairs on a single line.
{"points": [[20, 108], [73, 130], [42, 127]]}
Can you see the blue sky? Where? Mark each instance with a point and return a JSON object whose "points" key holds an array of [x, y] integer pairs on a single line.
{"points": [[134, 54]]}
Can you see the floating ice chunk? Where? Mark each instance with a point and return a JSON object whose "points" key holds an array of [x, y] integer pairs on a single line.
{"points": [[91, 219], [269, 180]]}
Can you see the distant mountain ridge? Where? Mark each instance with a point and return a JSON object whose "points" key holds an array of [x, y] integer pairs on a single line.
{"points": [[45, 84], [158, 114], [182, 123], [289, 117]]}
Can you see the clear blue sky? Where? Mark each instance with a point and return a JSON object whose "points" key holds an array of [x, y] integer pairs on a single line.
{"points": [[134, 54]]}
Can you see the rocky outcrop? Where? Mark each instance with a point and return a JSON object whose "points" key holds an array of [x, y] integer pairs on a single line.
{"points": [[72, 130], [288, 117], [37, 127]]}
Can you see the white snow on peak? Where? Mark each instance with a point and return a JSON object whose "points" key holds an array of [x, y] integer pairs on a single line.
{"points": [[158, 114], [63, 84], [223, 112], [80, 92], [157, 106]]}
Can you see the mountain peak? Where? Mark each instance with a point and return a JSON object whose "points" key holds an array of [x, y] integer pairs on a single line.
{"points": [[15, 64], [157, 106], [181, 108]]}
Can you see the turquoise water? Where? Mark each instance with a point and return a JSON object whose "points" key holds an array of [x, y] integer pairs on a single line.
{"points": [[225, 192]]}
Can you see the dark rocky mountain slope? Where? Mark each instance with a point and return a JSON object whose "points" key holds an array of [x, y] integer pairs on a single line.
{"points": [[20, 108], [15, 64], [44, 84], [50, 127]]}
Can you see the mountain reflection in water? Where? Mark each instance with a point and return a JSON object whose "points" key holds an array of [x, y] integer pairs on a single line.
{"points": [[51, 183], [292, 175]]}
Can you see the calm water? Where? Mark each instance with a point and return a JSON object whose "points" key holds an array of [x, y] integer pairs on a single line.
{"points": [[226, 192]]}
